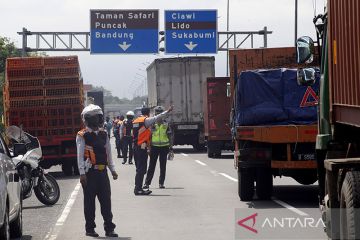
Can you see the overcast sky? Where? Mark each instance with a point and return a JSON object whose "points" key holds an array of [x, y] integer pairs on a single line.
{"points": [[123, 74]]}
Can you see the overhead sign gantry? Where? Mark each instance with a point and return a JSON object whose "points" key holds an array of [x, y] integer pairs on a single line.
{"points": [[137, 31]]}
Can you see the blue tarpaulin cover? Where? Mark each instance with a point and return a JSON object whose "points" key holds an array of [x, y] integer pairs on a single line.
{"points": [[273, 97]]}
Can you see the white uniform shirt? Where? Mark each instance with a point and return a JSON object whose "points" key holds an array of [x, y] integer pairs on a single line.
{"points": [[80, 145]]}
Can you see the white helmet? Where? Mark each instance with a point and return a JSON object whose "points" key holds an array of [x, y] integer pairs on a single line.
{"points": [[91, 110], [130, 113], [92, 115]]}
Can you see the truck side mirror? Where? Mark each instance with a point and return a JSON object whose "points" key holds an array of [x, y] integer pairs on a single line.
{"points": [[19, 149], [306, 76], [305, 50]]}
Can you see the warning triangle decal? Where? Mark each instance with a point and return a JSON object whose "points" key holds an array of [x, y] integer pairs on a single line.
{"points": [[310, 98]]}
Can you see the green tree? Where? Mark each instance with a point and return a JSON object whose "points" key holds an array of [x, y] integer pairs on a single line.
{"points": [[7, 49]]}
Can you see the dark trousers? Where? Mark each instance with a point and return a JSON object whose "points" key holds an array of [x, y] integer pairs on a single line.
{"points": [[140, 156], [156, 152], [98, 185], [128, 146], [118, 144]]}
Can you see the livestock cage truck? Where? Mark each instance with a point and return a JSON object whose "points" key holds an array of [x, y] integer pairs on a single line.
{"points": [[44, 95]]}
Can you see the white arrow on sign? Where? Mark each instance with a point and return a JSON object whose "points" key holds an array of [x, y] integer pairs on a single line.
{"points": [[190, 45], [124, 46]]}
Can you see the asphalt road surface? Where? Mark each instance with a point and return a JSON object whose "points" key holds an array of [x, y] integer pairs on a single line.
{"points": [[200, 201]]}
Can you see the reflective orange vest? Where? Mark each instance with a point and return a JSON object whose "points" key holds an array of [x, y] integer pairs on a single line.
{"points": [[141, 133], [95, 149]]}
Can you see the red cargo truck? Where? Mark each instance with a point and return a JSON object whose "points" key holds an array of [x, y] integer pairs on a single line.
{"points": [[263, 151], [217, 115], [44, 95]]}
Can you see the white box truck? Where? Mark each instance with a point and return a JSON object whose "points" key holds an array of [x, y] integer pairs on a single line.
{"points": [[179, 82]]}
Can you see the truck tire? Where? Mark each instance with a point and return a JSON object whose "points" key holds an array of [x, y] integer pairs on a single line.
{"points": [[210, 152], [349, 206], [199, 147], [246, 177], [213, 149], [264, 183], [67, 168]]}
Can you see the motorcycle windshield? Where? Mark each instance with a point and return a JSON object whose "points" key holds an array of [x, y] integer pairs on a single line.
{"points": [[18, 135]]}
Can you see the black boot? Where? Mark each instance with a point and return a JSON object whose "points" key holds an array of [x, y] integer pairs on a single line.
{"points": [[124, 161], [142, 192], [111, 234], [92, 233]]}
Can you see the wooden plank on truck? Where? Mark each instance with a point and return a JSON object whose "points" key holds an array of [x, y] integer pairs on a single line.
{"points": [[336, 164], [277, 134]]}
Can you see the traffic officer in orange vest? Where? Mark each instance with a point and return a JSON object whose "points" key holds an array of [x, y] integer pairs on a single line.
{"points": [[142, 135], [94, 157]]}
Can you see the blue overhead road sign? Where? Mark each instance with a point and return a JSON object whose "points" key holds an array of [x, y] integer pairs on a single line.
{"points": [[191, 31], [124, 31]]}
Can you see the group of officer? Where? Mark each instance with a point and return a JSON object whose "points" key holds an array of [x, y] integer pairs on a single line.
{"points": [[147, 135], [122, 130]]}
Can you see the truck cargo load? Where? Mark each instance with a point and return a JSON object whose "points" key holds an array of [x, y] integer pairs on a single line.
{"points": [[44, 95], [179, 82], [273, 120], [273, 97]]}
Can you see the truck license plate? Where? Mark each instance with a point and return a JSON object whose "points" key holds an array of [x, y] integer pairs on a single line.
{"points": [[187, 127], [306, 156]]}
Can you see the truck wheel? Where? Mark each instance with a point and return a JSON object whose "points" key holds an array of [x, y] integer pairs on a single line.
{"points": [[199, 147], [264, 183], [349, 206], [67, 168], [246, 177], [210, 152]]}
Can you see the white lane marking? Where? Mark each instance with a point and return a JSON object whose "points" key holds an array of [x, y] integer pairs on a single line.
{"points": [[52, 235], [184, 154], [284, 204], [291, 208], [215, 173], [200, 162], [228, 177]]}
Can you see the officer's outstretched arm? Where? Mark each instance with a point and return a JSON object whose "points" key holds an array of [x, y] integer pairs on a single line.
{"points": [[151, 120]]}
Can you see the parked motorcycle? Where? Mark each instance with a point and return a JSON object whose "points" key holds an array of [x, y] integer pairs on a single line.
{"points": [[27, 153]]}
